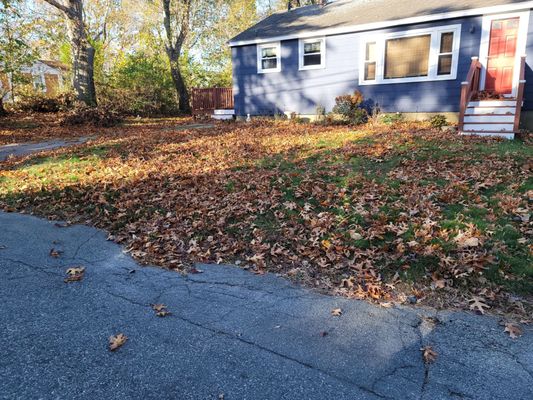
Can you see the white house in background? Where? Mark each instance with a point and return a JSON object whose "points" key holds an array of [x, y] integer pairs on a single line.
{"points": [[45, 75]]}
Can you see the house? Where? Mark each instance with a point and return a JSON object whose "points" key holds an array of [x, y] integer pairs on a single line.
{"points": [[45, 76], [467, 59]]}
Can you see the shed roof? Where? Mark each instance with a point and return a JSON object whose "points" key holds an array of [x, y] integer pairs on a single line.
{"points": [[343, 16]]}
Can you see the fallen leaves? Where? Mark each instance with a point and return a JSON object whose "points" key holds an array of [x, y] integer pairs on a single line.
{"points": [[337, 312], [161, 310], [74, 274], [117, 341], [513, 330], [267, 195], [54, 253], [478, 304], [428, 354]]}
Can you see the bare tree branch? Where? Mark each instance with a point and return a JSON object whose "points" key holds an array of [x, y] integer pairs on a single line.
{"points": [[61, 7]]}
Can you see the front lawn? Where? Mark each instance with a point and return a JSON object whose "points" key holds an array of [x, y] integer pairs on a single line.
{"points": [[398, 214]]}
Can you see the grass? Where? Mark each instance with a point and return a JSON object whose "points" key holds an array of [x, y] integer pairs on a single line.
{"points": [[331, 203]]}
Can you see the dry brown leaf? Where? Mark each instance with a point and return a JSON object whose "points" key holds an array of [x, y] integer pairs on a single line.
{"points": [[163, 313], [429, 354], [117, 341], [75, 270], [478, 304], [464, 241], [337, 312], [161, 310], [355, 235], [55, 253], [74, 274], [158, 307], [513, 330]]}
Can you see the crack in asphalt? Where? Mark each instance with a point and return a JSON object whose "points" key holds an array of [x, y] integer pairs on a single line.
{"points": [[229, 284], [284, 356], [461, 395], [78, 248], [251, 343], [35, 267]]}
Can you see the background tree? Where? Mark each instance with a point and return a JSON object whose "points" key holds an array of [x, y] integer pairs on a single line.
{"points": [[177, 21], [15, 52], [83, 52], [301, 3]]}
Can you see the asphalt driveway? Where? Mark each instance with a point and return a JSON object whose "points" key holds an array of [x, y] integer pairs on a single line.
{"points": [[21, 149], [231, 334]]}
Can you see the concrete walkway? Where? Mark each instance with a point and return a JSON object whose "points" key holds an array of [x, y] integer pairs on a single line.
{"points": [[231, 335], [21, 149]]}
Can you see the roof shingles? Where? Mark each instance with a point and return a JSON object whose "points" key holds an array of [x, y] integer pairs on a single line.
{"points": [[347, 13]]}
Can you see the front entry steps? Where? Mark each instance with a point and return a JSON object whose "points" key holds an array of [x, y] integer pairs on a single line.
{"points": [[490, 118]]}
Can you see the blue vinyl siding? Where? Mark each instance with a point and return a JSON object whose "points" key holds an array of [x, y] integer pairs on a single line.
{"points": [[302, 91]]}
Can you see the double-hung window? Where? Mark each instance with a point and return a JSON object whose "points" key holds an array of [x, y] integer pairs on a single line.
{"points": [[269, 57], [411, 56], [312, 53]]}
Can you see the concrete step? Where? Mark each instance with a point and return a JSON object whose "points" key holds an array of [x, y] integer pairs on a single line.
{"points": [[506, 135], [489, 127], [224, 112], [493, 103], [222, 117], [490, 110], [484, 118]]}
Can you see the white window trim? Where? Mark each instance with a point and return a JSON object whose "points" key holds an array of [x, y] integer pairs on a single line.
{"points": [[523, 29], [301, 43], [434, 52], [260, 69]]}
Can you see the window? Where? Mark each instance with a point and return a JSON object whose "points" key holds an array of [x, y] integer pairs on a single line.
{"points": [[370, 61], [407, 57], [412, 56], [445, 54], [312, 53], [39, 83], [268, 57]]}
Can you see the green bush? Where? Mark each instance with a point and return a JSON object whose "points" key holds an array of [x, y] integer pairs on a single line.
{"points": [[360, 116], [391, 119], [438, 121], [140, 84], [348, 107]]}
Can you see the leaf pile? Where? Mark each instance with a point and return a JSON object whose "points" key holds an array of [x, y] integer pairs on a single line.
{"points": [[381, 213]]}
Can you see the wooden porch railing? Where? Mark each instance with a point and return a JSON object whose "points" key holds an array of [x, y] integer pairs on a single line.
{"points": [[469, 89], [520, 93], [205, 101]]}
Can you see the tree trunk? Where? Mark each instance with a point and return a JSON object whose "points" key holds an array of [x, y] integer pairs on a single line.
{"points": [[179, 83], [82, 62], [82, 50], [174, 45], [2, 109]]}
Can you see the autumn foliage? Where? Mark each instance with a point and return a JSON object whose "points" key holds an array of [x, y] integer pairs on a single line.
{"points": [[383, 213]]}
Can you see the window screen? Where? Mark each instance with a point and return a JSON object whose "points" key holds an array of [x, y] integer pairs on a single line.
{"points": [[407, 57], [269, 58], [312, 53]]}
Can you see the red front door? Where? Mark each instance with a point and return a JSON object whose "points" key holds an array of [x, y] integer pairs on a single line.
{"points": [[502, 55]]}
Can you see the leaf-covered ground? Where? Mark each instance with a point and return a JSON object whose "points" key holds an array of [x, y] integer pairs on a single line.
{"points": [[393, 214]]}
